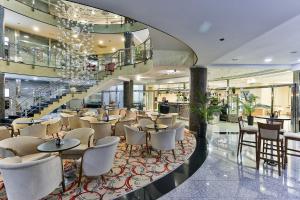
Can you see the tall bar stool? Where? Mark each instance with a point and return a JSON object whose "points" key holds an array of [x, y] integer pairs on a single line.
{"points": [[270, 133], [246, 130], [290, 151]]}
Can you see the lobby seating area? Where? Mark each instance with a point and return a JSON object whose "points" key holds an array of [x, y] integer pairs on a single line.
{"points": [[113, 157]]}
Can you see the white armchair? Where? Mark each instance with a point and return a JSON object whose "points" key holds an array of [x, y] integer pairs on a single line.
{"points": [[35, 130], [16, 126], [65, 120], [119, 127], [102, 130], [99, 159], [164, 141], [74, 122], [22, 146], [31, 180], [179, 128], [143, 122], [85, 136], [134, 137], [4, 133], [166, 120], [54, 127]]}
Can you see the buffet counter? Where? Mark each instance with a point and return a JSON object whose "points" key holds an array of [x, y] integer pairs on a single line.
{"points": [[182, 108]]}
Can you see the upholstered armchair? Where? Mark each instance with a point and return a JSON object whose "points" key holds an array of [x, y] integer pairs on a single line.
{"points": [[22, 146], [74, 122], [134, 137], [31, 180], [65, 120], [98, 160], [54, 127], [164, 141], [4, 133], [35, 130], [119, 127], [166, 120], [130, 115], [102, 130], [16, 126], [179, 128], [85, 136], [143, 122]]}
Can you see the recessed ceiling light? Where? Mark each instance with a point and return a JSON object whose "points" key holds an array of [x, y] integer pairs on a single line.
{"points": [[113, 49], [36, 29], [221, 39], [26, 36], [235, 59], [293, 52], [267, 60], [100, 42], [298, 60]]}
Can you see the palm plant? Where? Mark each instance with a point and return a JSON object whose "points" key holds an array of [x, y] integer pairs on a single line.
{"points": [[249, 106]]}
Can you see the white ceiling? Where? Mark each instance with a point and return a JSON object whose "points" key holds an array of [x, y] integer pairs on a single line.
{"points": [[252, 29]]}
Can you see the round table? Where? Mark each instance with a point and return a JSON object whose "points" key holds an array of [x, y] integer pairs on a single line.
{"points": [[113, 117], [35, 121], [156, 126], [51, 147]]}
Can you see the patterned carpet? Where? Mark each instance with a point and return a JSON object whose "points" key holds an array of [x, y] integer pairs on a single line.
{"points": [[127, 174]]}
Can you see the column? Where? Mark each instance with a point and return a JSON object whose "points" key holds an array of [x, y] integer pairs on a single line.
{"points": [[1, 31], [128, 94], [128, 42], [198, 84], [2, 96], [295, 112]]}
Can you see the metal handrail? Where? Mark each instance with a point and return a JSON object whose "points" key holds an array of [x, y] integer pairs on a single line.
{"points": [[37, 4]]}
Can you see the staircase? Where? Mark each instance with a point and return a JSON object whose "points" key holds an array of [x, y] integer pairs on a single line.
{"points": [[58, 98]]}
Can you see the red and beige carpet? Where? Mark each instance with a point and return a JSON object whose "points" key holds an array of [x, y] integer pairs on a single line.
{"points": [[128, 173]]}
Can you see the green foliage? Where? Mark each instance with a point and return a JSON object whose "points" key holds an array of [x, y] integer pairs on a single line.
{"points": [[206, 107], [249, 104]]}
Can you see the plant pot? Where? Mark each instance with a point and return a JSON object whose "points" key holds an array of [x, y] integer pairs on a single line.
{"points": [[250, 120], [202, 130]]}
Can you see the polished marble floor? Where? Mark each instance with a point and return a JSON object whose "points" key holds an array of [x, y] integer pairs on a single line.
{"points": [[224, 176]]}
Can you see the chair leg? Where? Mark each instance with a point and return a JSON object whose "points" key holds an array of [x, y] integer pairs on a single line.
{"points": [[256, 147], [103, 179], [160, 154], [182, 144], [278, 158], [80, 175], [258, 154], [282, 154], [126, 147], [173, 151], [239, 144], [130, 150], [285, 153]]}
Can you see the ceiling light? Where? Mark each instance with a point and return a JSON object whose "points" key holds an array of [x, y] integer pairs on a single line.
{"points": [[113, 49], [235, 59], [267, 60], [138, 77], [26, 36], [298, 60], [293, 52], [123, 39], [100, 42], [36, 29]]}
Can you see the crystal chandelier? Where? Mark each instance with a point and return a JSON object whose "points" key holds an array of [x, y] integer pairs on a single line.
{"points": [[75, 42]]}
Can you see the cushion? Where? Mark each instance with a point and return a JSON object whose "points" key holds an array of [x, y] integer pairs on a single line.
{"points": [[250, 128], [35, 156], [11, 160], [292, 135]]}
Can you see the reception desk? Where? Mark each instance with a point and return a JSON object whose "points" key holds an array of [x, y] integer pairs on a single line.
{"points": [[182, 108]]}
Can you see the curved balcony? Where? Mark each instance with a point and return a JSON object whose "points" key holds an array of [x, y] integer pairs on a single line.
{"points": [[41, 10]]}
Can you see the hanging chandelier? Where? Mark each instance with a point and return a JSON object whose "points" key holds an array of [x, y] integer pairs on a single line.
{"points": [[75, 42]]}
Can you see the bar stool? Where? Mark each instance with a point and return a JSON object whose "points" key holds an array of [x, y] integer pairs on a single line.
{"points": [[294, 137], [246, 130], [270, 133]]}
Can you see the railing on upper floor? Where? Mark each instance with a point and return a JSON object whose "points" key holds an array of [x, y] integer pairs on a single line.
{"points": [[46, 57], [49, 6]]}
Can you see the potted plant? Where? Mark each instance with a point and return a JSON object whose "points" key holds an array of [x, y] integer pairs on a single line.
{"points": [[205, 109], [249, 106]]}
